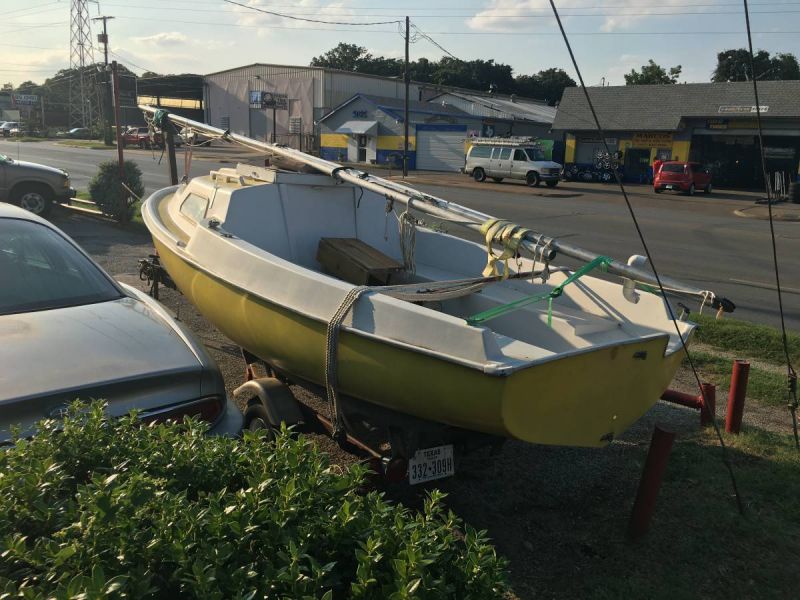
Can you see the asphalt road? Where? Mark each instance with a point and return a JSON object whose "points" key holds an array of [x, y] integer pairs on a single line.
{"points": [[698, 240]]}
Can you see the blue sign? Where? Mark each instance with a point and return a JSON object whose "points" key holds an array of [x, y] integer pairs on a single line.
{"points": [[360, 114]]}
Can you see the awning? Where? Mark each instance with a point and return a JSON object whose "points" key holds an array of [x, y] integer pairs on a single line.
{"points": [[359, 127]]}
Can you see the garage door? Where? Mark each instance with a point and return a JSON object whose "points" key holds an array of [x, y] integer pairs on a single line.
{"points": [[440, 150]]}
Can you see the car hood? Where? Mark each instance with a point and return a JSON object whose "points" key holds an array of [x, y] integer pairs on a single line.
{"points": [[122, 351], [35, 167], [547, 164]]}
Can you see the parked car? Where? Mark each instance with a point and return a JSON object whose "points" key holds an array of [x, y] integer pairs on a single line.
{"points": [[687, 177], [501, 159], [7, 126], [32, 186], [76, 133], [140, 137], [70, 331]]}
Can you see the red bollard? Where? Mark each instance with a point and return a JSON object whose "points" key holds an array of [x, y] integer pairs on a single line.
{"points": [[653, 473], [736, 395], [709, 396]]}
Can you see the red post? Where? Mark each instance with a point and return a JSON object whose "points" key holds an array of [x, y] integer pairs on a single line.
{"points": [[736, 395], [649, 485], [709, 410]]}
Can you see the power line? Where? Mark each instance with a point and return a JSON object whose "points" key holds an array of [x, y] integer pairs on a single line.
{"points": [[434, 42], [296, 18]]}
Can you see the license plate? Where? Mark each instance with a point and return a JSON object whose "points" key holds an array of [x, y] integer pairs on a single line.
{"points": [[669, 187], [431, 463]]}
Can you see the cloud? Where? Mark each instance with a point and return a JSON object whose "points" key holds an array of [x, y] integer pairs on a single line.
{"points": [[333, 11], [165, 38], [517, 15]]}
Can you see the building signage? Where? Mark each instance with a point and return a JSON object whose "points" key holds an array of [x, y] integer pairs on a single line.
{"points": [[651, 140], [741, 109], [360, 114], [776, 152], [717, 124], [25, 99], [260, 99], [597, 140]]}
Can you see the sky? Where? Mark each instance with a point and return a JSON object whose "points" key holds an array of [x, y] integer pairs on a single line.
{"points": [[609, 37]]}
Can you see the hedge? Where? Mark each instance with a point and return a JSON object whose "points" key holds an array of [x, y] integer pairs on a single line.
{"points": [[92, 507], [107, 191]]}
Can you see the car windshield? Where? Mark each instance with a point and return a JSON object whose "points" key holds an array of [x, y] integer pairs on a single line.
{"points": [[673, 168], [40, 270], [535, 154]]}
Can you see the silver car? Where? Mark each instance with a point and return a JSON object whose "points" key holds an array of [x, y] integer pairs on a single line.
{"points": [[503, 160], [32, 186], [68, 330]]}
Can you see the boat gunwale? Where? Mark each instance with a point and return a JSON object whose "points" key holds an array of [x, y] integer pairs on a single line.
{"points": [[152, 218]]}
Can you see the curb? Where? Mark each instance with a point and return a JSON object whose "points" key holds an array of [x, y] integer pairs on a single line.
{"points": [[761, 213], [469, 185]]}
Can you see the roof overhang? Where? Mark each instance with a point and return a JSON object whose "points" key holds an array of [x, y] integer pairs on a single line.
{"points": [[358, 127]]}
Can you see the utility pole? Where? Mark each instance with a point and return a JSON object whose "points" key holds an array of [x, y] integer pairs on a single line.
{"points": [[406, 80], [120, 158], [102, 38]]}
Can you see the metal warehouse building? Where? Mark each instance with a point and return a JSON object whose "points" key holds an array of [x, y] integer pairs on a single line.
{"points": [[712, 123], [311, 92], [369, 129]]}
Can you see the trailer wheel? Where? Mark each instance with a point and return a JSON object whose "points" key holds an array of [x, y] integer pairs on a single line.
{"points": [[256, 417]]}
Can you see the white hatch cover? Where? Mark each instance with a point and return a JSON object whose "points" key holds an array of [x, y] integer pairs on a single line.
{"points": [[440, 150]]}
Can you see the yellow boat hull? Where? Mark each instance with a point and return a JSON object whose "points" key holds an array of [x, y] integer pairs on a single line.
{"points": [[581, 399]]}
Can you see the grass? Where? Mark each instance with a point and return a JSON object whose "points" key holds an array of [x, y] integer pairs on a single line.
{"points": [[762, 385], [25, 139], [699, 546], [746, 339], [136, 222], [90, 144]]}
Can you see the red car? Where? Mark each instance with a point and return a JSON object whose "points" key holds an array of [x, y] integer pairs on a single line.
{"points": [[685, 177], [140, 137]]}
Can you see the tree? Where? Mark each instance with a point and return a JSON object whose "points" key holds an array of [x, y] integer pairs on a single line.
{"points": [[734, 65], [346, 57], [653, 74], [547, 85]]}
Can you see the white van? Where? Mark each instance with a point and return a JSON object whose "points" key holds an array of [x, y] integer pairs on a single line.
{"points": [[501, 159]]}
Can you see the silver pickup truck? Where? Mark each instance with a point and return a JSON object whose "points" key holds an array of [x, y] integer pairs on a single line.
{"points": [[32, 186]]}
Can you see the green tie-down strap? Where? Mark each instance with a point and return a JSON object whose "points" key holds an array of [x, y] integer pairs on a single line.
{"points": [[498, 311]]}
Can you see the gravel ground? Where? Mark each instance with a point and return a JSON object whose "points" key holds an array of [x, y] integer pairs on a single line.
{"points": [[539, 504]]}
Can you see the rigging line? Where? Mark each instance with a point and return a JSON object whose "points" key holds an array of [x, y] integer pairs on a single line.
{"points": [[646, 249], [791, 375], [295, 18], [434, 42]]}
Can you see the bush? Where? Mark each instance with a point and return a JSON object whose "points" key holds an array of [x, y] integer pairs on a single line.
{"points": [[91, 507], [113, 199]]}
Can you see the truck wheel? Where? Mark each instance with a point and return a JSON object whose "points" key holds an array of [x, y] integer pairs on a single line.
{"points": [[708, 189], [479, 175], [143, 145], [691, 190], [532, 179], [37, 199]]}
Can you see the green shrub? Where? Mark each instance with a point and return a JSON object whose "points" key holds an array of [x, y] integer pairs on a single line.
{"points": [[113, 199], [91, 507]]}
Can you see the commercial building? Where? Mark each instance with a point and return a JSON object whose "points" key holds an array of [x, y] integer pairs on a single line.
{"points": [[712, 123], [233, 98], [370, 129]]}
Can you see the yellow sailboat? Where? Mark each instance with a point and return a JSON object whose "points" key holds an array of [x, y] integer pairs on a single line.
{"points": [[491, 340]]}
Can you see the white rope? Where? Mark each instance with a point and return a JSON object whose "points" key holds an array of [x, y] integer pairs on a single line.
{"points": [[408, 239]]}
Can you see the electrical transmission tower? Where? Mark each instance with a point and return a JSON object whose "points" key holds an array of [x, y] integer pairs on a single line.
{"points": [[81, 56]]}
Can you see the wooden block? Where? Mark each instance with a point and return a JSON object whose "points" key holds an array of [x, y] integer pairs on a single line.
{"points": [[356, 262]]}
